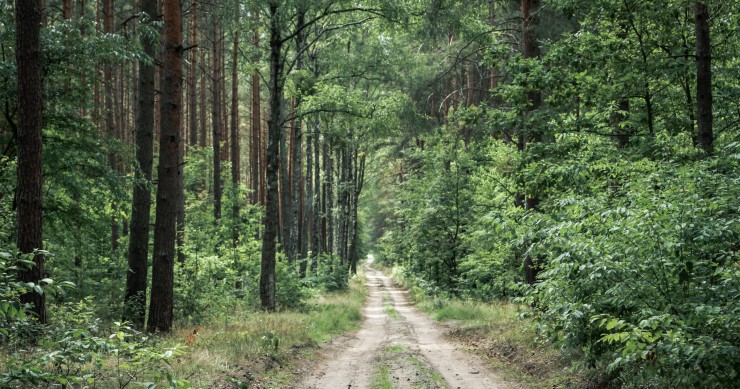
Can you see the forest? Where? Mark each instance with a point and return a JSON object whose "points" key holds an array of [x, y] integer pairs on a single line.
{"points": [[189, 188]]}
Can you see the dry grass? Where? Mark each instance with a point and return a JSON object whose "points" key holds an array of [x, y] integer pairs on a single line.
{"points": [[261, 347]]}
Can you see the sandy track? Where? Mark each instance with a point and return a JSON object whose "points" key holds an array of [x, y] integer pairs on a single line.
{"points": [[353, 363]]}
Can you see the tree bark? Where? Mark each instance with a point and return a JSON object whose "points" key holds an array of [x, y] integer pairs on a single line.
{"points": [[358, 180], [329, 197], [160, 309], [30, 106], [202, 139], [193, 76], [138, 249], [224, 97], [315, 197], [284, 207], [704, 78], [297, 226], [308, 212], [530, 49], [67, 9], [294, 189], [216, 121], [274, 132], [256, 126], [263, 157], [235, 168], [110, 121]]}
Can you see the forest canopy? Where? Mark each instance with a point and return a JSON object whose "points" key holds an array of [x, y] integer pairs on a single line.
{"points": [[166, 164]]}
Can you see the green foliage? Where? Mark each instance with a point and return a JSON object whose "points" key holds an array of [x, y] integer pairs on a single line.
{"points": [[642, 272], [12, 313], [332, 275], [75, 349]]}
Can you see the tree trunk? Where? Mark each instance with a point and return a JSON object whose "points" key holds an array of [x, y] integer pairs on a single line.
{"points": [[317, 236], [202, 139], [235, 137], [704, 78], [180, 229], [138, 249], [294, 189], [359, 178], [329, 197], [224, 98], [297, 226], [216, 121], [263, 158], [530, 49], [30, 105], [256, 128], [67, 9], [339, 217], [344, 202], [284, 211], [110, 122], [160, 308], [193, 76], [274, 132], [308, 212]]}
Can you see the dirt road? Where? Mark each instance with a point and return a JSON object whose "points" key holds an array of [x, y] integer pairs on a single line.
{"points": [[398, 347]]}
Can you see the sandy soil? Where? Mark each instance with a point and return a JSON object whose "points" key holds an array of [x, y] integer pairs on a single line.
{"points": [[392, 323]]}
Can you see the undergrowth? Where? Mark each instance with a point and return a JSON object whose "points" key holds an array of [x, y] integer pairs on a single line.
{"points": [[256, 346]]}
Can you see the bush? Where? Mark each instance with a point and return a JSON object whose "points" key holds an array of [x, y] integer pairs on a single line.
{"points": [[643, 276], [75, 351]]}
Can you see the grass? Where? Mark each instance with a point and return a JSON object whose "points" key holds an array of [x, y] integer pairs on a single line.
{"points": [[263, 346], [390, 310], [409, 367], [382, 378]]}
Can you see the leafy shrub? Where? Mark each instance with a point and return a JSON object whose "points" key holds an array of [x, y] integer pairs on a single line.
{"points": [[642, 275], [75, 351], [292, 292], [332, 275]]}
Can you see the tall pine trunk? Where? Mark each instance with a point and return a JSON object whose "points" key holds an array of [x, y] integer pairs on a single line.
{"points": [[704, 77], [193, 76], [308, 212], [315, 198], [274, 132], [110, 119], [235, 168], [358, 180], [30, 105], [329, 197], [216, 120], [202, 138], [256, 127], [296, 225], [160, 308], [138, 249]]}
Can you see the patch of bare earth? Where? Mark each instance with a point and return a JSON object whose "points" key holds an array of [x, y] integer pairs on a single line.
{"points": [[424, 353]]}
